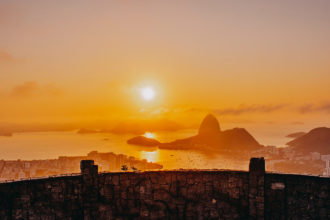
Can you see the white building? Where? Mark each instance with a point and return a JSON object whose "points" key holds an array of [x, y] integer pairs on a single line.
{"points": [[326, 158]]}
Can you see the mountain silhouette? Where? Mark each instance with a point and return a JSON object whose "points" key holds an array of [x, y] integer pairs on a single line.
{"points": [[209, 126], [210, 137], [317, 140], [143, 141]]}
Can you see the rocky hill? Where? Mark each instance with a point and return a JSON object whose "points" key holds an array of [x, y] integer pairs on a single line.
{"points": [[211, 138], [317, 140]]}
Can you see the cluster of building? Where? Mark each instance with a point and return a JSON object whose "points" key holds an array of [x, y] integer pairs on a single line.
{"points": [[107, 162], [290, 161]]}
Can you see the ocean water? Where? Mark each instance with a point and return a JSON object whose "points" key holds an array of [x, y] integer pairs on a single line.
{"points": [[51, 145]]}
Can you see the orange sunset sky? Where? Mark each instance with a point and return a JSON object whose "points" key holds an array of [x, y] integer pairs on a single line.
{"points": [[245, 61]]}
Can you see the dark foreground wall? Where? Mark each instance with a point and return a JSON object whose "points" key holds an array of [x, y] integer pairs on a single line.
{"points": [[296, 197], [168, 195]]}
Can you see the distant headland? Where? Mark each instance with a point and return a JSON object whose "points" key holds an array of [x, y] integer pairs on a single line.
{"points": [[209, 138]]}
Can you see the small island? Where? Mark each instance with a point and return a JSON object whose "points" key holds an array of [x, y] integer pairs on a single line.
{"points": [[143, 141], [6, 134], [296, 135], [87, 131]]}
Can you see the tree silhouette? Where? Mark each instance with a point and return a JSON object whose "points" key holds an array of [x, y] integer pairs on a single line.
{"points": [[124, 168]]}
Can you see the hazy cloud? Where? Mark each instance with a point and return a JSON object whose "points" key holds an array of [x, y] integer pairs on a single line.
{"points": [[160, 110], [297, 123], [6, 57], [309, 108], [250, 109], [243, 109], [33, 88]]}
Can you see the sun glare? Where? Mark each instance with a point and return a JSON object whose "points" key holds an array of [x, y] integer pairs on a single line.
{"points": [[148, 93], [149, 135], [150, 156]]}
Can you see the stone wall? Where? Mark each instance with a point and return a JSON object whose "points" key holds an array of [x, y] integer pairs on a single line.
{"points": [[174, 195], [168, 195], [296, 197], [53, 198]]}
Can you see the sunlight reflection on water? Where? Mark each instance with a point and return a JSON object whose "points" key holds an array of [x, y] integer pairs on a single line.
{"points": [[50, 145], [150, 156]]}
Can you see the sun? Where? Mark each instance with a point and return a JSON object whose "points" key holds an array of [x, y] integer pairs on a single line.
{"points": [[147, 93]]}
